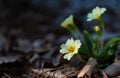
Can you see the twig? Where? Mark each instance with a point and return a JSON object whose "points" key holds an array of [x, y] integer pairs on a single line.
{"points": [[7, 75]]}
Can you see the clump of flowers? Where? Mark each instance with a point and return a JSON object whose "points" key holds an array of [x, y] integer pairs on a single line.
{"points": [[91, 46], [96, 15]]}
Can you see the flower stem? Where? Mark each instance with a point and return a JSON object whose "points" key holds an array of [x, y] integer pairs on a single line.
{"points": [[101, 24], [103, 27], [76, 31], [81, 58], [69, 30]]}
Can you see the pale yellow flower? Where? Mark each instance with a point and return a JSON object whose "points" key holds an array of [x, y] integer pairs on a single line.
{"points": [[96, 13], [70, 48], [67, 22]]}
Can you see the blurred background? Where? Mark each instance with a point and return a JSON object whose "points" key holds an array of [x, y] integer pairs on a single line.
{"points": [[34, 26], [32, 16]]}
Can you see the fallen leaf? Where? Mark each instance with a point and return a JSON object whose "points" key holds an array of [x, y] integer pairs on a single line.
{"points": [[113, 69], [47, 73], [88, 69]]}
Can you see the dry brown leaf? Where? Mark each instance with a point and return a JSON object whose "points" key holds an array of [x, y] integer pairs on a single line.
{"points": [[47, 73], [88, 69], [113, 69], [104, 74]]}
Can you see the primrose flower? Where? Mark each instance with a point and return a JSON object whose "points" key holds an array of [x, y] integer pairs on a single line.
{"points": [[68, 21], [96, 13], [70, 48]]}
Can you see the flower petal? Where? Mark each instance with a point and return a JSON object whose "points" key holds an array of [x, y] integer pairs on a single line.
{"points": [[69, 42], [62, 46], [96, 12], [77, 43], [68, 21], [76, 51], [103, 10], [68, 56], [63, 49], [90, 17]]}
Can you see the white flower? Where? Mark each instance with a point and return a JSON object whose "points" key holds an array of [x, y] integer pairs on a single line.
{"points": [[96, 13], [68, 21], [70, 48]]}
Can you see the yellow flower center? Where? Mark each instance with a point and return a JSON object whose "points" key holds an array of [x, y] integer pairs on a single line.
{"points": [[71, 49]]}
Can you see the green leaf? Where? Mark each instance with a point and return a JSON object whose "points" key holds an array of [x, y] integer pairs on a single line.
{"points": [[95, 48], [112, 43], [83, 50], [88, 42], [110, 47]]}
